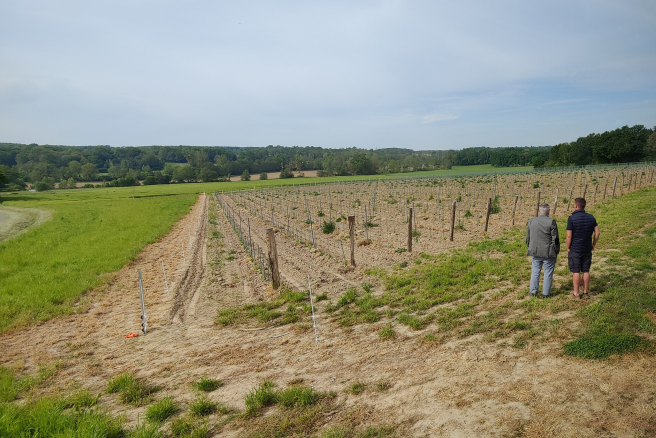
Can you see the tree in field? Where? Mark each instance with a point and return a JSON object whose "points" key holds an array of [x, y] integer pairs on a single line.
{"points": [[246, 176], [185, 173], [650, 147], [208, 173], [89, 172], [3, 180], [264, 176], [47, 183], [362, 165]]}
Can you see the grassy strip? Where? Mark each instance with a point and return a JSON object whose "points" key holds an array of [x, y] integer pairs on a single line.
{"points": [[613, 325], [45, 270], [467, 291], [298, 305]]}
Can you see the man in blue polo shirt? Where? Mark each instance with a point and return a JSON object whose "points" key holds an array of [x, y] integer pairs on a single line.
{"points": [[582, 236]]}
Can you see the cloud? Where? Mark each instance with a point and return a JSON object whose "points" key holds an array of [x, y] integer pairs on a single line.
{"points": [[333, 74], [433, 118]]}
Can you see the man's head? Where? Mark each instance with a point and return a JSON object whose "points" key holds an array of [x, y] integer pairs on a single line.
{"points": [[544, 209], [579, 204]]}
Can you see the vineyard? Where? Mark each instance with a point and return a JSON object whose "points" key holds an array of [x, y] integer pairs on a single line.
{"points": [[445, 212], [430, 313]]}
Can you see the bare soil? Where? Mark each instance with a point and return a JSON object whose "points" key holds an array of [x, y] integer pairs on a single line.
{"points": [[463, 388]]}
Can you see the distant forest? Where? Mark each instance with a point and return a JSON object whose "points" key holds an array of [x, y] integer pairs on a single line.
{"points": [[45, 165]]}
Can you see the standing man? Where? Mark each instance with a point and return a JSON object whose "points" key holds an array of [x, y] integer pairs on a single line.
{"points": [[543, 245], [582, 236]]}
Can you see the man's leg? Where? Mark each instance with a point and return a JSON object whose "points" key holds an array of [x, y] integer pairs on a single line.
{"points": [[536, 267], [576, 278], [586, 282], [549, 265]]}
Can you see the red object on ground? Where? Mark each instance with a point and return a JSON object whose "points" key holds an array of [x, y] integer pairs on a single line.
{"points": [[132, 335]]}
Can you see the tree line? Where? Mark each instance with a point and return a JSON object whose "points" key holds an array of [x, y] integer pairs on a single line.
{"points": [[46, 165]]}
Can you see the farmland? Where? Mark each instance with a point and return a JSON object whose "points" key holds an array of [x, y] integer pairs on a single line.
{"points": [[447, 327]]}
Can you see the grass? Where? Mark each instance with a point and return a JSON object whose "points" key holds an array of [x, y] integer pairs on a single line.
{"points": [[262, 395], [297, 304], [207, 385], [49, 417], [8, 386], [131, 390], [187, 427], [296, 396], [46, 269], [351, 432], [161, 410], [387, 332], [357, 388], [203, 406]]}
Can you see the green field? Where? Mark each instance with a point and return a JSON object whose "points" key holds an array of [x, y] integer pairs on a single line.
{"points": [[91, 232]]}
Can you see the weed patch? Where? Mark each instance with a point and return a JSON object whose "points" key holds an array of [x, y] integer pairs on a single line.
{"points": [[207, 385], [131, 390]]}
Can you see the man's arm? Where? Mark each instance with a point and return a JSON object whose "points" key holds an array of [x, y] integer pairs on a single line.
{"points": [[569, 239], [528, 233], [596, 237], [555, 239]]}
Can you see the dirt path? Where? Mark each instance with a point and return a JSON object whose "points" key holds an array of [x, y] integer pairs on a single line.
{"points": [[464, 388]]}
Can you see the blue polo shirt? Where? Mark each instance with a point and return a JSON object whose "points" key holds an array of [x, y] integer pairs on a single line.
{"points": [[582, 225]]}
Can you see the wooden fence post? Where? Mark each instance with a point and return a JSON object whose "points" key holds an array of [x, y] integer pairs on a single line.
{"points": [[273, 259], [614, 185], [585, 190], [351, 223], [537, 206], [605, 187], [555, 202], [487, 215], [410, 213], [569, 200], [514, 208], [453, 219]]}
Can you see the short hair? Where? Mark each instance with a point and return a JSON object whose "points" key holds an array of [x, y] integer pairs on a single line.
{"points": [[544, 208], [580, 203]]}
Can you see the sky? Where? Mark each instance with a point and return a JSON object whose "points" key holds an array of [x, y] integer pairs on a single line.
{"points": [[424, 75]]}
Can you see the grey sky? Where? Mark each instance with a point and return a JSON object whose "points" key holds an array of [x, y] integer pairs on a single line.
{"points": [[372, 74]]}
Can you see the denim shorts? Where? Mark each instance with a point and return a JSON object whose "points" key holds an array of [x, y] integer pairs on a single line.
{"points": [[579, 262]]}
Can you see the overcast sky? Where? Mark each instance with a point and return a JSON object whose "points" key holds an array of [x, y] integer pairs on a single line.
{"points": [[370, 74]]}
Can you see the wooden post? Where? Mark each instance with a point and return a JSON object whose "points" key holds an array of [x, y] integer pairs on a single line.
{"points": [[585, 190], [514, 208], [487, 215], [273, 259], [614, 185], [351, 223], [594, 197], [605, 187], [569, 200], [537, 206], [453, 219], [555, 202], [410, 212]]}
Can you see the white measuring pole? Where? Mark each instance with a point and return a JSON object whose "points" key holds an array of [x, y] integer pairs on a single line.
{"points": [[314, 320], [144, 324], [165, 282]]}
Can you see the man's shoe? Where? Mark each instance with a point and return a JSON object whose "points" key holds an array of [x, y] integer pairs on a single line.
{"points": [[534, 295]]}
